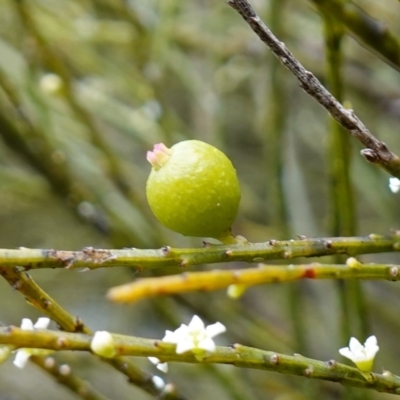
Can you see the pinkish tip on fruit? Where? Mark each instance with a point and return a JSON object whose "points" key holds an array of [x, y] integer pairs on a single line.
{"points": [[159, 156]]}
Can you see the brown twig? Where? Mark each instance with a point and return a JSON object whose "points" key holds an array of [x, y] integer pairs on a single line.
{"points": [[376, 151]]}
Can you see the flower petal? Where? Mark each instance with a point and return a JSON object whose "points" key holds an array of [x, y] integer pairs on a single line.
{"points": [[154, 360], [371, 347], [158, 382], [26, 324], [355, 346], [172, 337], [394, 185], [42, 323], [184, 346], [21, 358], [345, 352], [207, 344], [169, 337], [196, 324], [163, 367], [181, 332], [371, 341], [215, 329]]}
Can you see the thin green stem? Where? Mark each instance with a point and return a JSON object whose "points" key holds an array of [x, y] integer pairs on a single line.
{"points": [[274, 125], [274, 152], [167, 256], [342, 216], [236, 355], [343, 221]]}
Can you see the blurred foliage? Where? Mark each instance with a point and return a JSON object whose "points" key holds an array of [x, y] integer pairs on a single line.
{"points": [[87, 87]]}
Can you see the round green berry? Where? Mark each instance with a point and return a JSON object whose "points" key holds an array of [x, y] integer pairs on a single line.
{"points": [[193, 189]]}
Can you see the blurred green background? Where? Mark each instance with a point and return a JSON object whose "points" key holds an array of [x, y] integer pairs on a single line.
{"points": [[87, 87]]}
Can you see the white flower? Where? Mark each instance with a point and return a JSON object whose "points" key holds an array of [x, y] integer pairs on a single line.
{"points": [[103, 344], [194, 337], [23, 355], [394, 185], [362, 356]]}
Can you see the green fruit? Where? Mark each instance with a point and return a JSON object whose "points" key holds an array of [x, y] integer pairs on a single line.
{"points": [[193, 189]]}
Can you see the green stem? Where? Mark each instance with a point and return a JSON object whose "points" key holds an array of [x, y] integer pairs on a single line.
{"points": [[338, 152], [143, 259], [343, 220], [274, 127], [236, 355]]}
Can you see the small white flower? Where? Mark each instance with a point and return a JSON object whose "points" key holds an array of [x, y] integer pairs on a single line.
{"points": [[162, 366], [23, 355], [195, 337], [362, 356], [394, 185], [103, 344]]}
